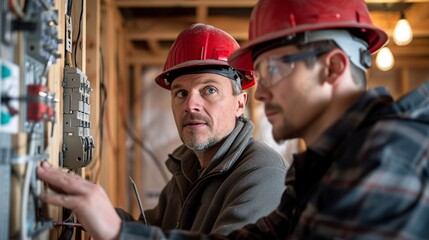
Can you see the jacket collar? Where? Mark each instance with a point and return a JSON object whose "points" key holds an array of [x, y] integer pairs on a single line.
{"points": [[184, 160]]}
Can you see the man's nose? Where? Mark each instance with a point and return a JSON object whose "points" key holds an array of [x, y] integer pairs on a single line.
{"points": [[193, 102], [262, 93]]}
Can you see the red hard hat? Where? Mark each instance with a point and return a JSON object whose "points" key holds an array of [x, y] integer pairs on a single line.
{"points": [[272, 19], [201, 45]]}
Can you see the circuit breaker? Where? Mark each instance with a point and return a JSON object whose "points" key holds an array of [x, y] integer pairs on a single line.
{"points": [[78, 143]]}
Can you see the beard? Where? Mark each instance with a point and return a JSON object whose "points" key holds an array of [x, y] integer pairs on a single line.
{"points": [[198, 145], [196, 141], [283, 130]]}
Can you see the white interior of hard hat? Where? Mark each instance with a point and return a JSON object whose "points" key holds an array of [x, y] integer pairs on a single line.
{"points": [[355, 47]]}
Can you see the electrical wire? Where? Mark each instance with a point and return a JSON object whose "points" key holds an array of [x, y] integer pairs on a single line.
{"points": [[148, 151], [68, 59], [69, 7], [68, 224], [16, 8], [96, 164], [103, 99], [24, 201], [29, 136], [139, 200], [78, 34]]}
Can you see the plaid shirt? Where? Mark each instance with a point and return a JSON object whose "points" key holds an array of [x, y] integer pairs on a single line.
{"points": [[366, 177]]}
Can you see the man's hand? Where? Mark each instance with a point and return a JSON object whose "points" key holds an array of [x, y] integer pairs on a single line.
{"points": [[88, 201]]}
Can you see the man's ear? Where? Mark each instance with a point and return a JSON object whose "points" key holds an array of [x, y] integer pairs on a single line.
{"points": [[337, 62], [241, 103]]}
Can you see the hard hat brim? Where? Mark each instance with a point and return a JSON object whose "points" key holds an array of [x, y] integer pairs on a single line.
{"points": [[242, 57]]}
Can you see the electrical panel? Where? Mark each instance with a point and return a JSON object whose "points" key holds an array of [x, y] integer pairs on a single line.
{"points": [[29, 45], [28, 48]]}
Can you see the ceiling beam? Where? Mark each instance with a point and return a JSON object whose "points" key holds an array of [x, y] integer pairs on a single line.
{"points": [[409, 51], [155, 30], [146, 59], [166, 29], [154, 46]]}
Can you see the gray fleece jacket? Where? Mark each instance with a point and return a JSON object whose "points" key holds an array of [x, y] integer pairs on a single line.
{"points": [[243, 182]]}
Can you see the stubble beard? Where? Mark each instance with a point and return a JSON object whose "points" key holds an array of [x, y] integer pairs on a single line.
{"points": [[283, 132], [195, 140], [199, 145]]}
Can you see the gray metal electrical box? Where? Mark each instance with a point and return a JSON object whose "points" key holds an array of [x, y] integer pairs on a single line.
{"points": [[78, 143]]}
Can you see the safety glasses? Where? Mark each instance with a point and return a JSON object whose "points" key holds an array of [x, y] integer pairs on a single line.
{"points": [[271, 70]]}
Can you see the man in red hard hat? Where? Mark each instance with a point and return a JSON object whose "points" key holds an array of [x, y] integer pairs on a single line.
{"points": [[221, 175], [365, 172]]}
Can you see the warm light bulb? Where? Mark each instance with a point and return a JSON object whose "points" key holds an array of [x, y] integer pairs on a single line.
{"points": [[402, 34], [384, 59]]}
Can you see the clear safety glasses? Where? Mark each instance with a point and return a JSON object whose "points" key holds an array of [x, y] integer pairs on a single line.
{"points": [[273, 69]]}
